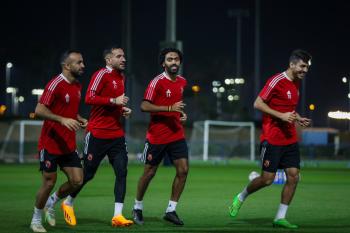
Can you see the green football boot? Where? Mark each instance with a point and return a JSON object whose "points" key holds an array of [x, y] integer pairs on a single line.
{"points": [[283, 223], [235, 206]]}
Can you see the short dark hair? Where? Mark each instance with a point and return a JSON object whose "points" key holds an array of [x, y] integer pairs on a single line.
{"points": [[66, 54], [165, 51], [299, 54], [109, 50]]}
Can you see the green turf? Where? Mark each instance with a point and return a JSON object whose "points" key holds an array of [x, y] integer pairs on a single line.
{"points": [[321, 204]]}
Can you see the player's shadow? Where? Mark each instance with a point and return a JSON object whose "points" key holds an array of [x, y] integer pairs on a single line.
{"points": [[153, 219], [252, 221], [92, 221]]}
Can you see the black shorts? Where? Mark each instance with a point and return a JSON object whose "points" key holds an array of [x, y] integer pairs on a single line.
{"points": [[154, 153], [49, 162], [279, 157], [97, 148]]}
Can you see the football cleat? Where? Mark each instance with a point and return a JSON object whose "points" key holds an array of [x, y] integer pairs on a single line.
{"points": [[235, 206], [121, 221], [68, 213], [37, 227], [50, 216], [137, 216], [283, 223], [173, 218]]}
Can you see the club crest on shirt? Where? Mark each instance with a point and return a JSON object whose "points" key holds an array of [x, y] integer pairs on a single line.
{"points": [[168, 93], [67, 98], [114, 84], [149, 157], [289, 94], [266, 163]]}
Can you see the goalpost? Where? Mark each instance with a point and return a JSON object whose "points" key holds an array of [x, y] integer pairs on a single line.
{"points": [[13, 147], [224, 139]]}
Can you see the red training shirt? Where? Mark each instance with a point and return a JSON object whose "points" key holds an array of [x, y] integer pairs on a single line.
{"points": [[165, 127], [62, 98], [280, 94], [104, 120]]}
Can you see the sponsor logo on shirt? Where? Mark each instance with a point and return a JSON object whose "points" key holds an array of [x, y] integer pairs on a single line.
{"points": [[289, 95], [168, 93], [67, 98]]}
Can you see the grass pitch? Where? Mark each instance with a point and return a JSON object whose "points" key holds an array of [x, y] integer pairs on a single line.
{"points": [[321, 203]]}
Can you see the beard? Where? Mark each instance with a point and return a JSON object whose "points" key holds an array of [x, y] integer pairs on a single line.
{"points": [[172, 70], [77, 73]]}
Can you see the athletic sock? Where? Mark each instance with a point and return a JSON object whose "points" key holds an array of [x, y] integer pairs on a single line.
{"points": [[243, 195], [69, 200], [138, 205], [282, 211], [37, 215], [171, 206], [52, 200], [118, 208]]}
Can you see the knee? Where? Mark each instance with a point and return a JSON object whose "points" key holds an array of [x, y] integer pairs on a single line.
{"points": [[122, 173], [183, 172], [150, 174], [49, 184], [76, 182], [293, 179], [267, 181]]}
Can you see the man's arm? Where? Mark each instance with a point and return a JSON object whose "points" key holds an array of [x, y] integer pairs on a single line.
{"points": [[262, 106], [303, 121], [147, 106], [43, 112]]}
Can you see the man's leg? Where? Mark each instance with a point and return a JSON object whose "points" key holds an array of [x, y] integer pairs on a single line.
{"points": [[179, 182], [291, 162], [286, 198], [48, 183], [144, 181], [118, 158]]}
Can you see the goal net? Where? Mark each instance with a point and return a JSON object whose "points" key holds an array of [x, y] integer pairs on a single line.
{"points": [[20, 142], [212, 140]]}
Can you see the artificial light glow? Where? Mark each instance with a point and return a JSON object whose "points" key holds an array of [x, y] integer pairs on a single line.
{"points": [[344, 79], [11, 90], [312, 107], [9, 65], [230, 98], [221, 89], [349, 95], [21, 99], [215, 89], [216, 83], [339, 115], [37, 91], [196, 88], [227, 81], [236, 97]]}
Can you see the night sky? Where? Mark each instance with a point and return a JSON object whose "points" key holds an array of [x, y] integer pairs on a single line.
{"points": [[35, 33]]}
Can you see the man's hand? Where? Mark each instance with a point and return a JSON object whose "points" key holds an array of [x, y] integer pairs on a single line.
{"points": [[70, 123], [289, 117], [183, 117], [304, 122], [126, 112], [177, 107], [83, 122], [120, 100]]}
